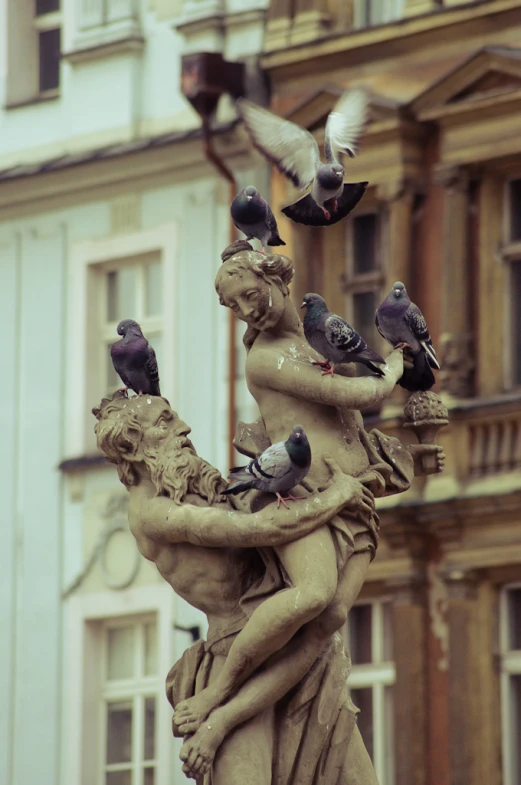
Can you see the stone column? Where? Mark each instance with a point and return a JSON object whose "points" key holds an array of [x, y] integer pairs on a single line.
{"points": [[410, 708], [456, 340]]}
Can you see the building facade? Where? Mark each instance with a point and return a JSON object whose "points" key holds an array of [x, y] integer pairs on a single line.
{"points": [[435, 635], [108, 210]]}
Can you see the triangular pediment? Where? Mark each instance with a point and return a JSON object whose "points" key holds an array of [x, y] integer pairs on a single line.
{"points": [[489, 73], [312, 112]]}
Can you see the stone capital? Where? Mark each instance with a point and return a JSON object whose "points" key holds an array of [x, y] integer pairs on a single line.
{"points": [[407, 589], [400, 188], [461, 584], [453, 178]]}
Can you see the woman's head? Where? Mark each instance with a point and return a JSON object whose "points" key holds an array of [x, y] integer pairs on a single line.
{"points": [[254, 286]]}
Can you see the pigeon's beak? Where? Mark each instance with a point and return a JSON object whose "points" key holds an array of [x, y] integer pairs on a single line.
{"points": [[249, 197], [397, 292], [303, 305]]}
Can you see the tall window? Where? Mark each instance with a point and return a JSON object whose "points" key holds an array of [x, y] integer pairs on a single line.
{"points": [[512, 254], [47, 23], [364, 277], [510, 632], [130, 291], [368, 636], [369, 13], [129, 695]]}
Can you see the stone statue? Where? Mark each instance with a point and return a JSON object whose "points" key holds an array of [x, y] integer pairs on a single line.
{"points": [[263, 701]]}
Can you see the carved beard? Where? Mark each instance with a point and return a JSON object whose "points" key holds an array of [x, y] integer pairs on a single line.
{"points": [[175, 473]]}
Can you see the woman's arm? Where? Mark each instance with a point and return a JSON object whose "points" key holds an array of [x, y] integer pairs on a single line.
{"points": [[352, 392], [221, 527]]}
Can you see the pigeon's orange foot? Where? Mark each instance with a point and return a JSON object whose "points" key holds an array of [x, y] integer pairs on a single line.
{"points": [[326, 364], [288, 498], [326, 213], [123, 390], [335, 205], [403, 346], [329, 371]]}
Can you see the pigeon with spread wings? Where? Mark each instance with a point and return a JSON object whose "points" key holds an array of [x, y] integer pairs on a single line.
{"points": [[295, 153]]}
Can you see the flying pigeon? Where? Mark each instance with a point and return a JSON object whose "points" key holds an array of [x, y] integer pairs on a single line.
{"points": [[401, 323], [335, 339], [281, 467], [252, 215], [134, 360], [295, 153]]}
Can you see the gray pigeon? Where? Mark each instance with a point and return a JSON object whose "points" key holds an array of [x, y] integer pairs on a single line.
{"points": [[277, 470], [295, 153], [335, 339], [252, 215], [402, 324], [134, 360]]}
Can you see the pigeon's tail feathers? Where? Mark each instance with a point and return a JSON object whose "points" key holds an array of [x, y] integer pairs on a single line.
{"points": [[372, 360], [420, 377], [275, 240], [431, 355], [241, 473], [306, 211], [239, 487]]}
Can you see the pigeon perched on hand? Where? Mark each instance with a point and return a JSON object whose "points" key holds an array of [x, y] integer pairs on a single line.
{"points": [[335, 339], [277, 470], [295, 153], [134, 360], [253, 216], [401, 323]]}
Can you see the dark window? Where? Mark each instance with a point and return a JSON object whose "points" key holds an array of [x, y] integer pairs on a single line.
{"points": [[47, 6], [365, 243], [364, 307], [515, 210], [363, 700], [49, 45], [360, 633], [516, 321], [514, 619]]}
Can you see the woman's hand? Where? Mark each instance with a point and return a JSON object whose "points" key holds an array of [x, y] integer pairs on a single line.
{"points": [[421, 451]]}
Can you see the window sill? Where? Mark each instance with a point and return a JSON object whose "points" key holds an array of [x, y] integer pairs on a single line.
{"points": [[101, 43], [48, 95]]}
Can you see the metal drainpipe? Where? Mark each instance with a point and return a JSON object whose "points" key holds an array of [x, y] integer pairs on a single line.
{"points": [[219, 164]]}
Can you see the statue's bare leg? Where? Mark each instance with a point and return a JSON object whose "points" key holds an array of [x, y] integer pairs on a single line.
{"points": [[311, 564], [358, 766], [281, 672]]}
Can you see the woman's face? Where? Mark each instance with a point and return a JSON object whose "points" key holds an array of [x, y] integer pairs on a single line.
{"points": [[252, 299]]}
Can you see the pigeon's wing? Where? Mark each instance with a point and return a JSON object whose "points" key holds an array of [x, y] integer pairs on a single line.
{"points": [[271, 223], [345, 124], [342, 336], [273, 463], [306, 211], [293, 150], [378, 325], [152, 371], [418, 326]]}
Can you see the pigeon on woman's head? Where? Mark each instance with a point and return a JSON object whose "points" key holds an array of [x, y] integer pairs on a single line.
{"points": [[335, 339], [402, 323], [278, 469], [295, 153], [134, 360], [253, 216]]}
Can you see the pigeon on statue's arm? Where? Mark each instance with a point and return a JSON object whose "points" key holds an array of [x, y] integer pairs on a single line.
{"points": [[281, 467], [402, 323], [335, 339], [135, 360], [253, 216]]}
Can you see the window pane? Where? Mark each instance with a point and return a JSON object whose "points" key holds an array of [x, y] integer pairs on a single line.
{"points": [[153, 289], [150, 649], [149, 777], [120, 653], [364, 307], [118, 778], [360, 637], [49, 52], [515, 210], [365, 240], [150, 729], [516, 320], [121, 294], [514, 731], [47, 6], [514, 618], [119, 732], [387, 610], [363, 700]]}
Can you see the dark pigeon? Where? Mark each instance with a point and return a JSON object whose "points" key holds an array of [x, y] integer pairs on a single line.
{"points": [[401, 323], [253, 216], [335, 339], [134, 360], [295, 153], [278, 469]]}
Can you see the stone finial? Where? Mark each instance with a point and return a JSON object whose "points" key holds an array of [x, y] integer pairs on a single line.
{"points": [[426, 413]]}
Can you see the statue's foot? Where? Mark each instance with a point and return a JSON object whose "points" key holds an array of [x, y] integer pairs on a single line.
{"points": [[198, 751], [193, 711]]}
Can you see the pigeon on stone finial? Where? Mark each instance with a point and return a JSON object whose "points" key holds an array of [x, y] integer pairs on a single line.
{"points": [[402, 323], [278, 469], [253, 216], [335, 339], [295, 153], [134, 360]]}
